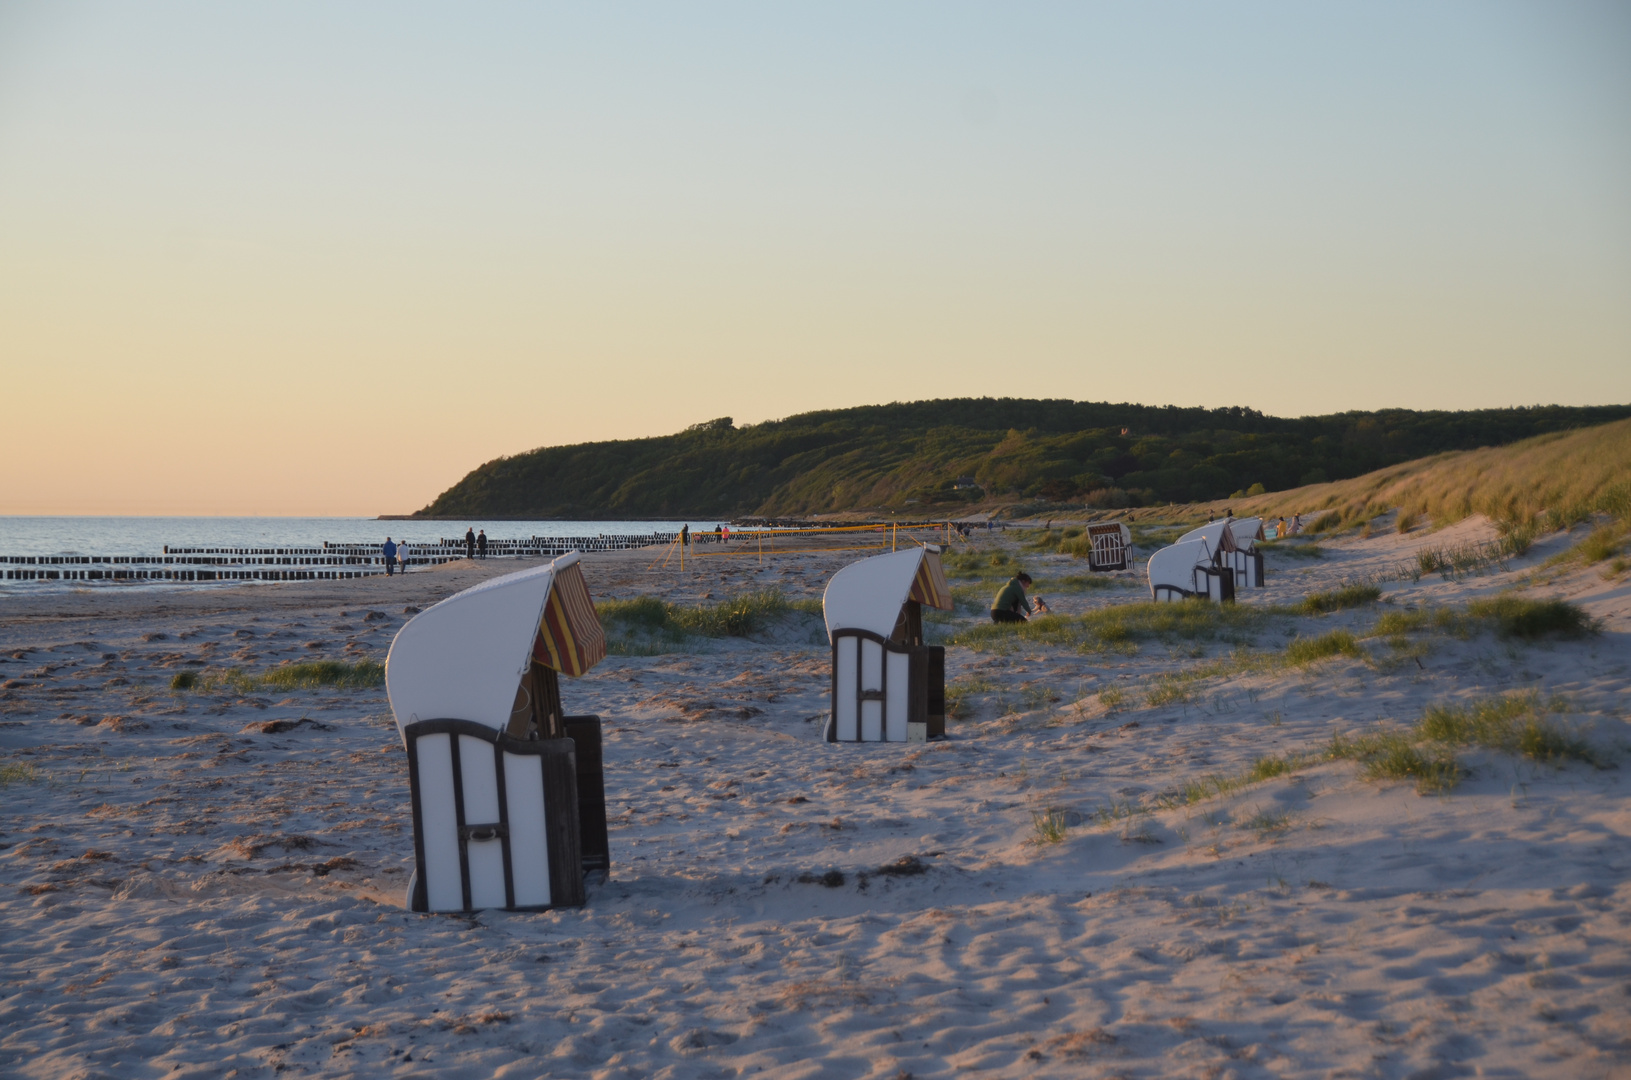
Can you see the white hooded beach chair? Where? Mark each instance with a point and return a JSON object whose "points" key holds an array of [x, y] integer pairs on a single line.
{"points": [[1190, 568], [887, 686], [1245, 560], [508, 801], [1108, 544]]}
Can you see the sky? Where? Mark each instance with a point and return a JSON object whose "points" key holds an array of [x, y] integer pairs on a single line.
{"points": [[317, 258]]}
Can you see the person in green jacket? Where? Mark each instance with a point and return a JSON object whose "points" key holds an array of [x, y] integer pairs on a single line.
{"points": [[1011, 604]]}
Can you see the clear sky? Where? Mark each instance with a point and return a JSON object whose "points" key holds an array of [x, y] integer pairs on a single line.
{"points": [[324, 258]]}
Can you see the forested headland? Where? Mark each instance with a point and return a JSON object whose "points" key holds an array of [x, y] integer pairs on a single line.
{"points": [[950, 456]]}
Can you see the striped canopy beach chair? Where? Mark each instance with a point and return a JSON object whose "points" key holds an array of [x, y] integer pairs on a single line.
{"points": [[887, 686], [508, 800]]}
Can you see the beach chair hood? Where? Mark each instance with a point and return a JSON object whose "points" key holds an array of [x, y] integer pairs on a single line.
{"points": [[868, 594], [464, 658], [1217, 535], [1246, 532]]}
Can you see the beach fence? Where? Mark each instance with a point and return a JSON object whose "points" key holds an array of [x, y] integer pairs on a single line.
{"points": [[327, 562]]}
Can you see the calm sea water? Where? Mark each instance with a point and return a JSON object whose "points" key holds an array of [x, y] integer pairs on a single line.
{"points": [[149, 535]]}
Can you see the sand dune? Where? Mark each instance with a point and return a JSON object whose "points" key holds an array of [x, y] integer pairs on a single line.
{"points": [[189, 890]]}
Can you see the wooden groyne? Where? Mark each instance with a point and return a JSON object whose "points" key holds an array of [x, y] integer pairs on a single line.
{"points": [[328, 562]]}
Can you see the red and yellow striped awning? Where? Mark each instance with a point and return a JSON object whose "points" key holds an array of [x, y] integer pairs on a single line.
{"points": [[570, 639], [929, 585]]}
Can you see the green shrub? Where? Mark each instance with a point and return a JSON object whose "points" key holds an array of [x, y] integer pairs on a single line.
{"points": [[1516, 616], [1348, 596], [184, 680]]}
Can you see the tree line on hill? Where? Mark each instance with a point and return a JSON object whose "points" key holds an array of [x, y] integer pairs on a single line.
{"points": [[942, 456]]}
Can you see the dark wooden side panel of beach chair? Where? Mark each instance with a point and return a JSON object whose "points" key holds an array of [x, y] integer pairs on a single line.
{"points": [[934, 687], [596, 850]]}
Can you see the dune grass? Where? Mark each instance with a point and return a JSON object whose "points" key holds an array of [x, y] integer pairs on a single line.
{"points": [[1508, 616], [1123, 625], [1522, 617], [1296, 549], [1601, 544], [736, 616], [1395, 755], [1347, 596], [1551, 481], [1514, 724], [19, 772], [306, 675], [1517, 724], [1303, 651]]}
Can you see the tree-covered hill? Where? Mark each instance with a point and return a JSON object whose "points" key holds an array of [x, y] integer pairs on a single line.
{"points": [[913, 454]]}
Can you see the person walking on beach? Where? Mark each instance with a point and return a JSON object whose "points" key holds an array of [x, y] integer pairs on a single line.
{"points": [[470, 543], [685, 535], [389, 551], [719, 534], [1280, 530], [1010, 604], [727, 534], [481, 543]]}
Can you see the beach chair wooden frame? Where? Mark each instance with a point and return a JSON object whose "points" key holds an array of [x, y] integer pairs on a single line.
{"points": [[1192, 567]]}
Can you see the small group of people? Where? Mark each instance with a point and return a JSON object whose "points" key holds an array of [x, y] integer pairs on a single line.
{"points": [[1282, 530], [1011, 605], [475, 544], [392, 551]]}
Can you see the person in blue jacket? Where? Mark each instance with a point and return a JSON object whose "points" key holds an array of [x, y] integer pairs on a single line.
{"points": [[389, 551]]}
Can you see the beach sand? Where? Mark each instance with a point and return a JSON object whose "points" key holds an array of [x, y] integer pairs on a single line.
{"points": [[210, 884]]}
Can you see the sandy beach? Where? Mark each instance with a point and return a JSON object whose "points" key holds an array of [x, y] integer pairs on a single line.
{"points": [[209, 883]]}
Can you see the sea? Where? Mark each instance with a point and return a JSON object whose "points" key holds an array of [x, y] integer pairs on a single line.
{"points": [[138, 536]]}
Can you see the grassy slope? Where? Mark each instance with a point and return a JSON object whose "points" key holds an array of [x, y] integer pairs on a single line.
{"points": [[1567, 475], [907, 455]]}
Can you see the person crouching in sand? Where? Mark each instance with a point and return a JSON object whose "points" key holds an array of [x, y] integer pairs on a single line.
{"points": [[1011, 604]]}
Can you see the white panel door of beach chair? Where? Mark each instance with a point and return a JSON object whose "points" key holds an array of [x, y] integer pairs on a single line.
{"points": [[493, 821], [872, 688]]}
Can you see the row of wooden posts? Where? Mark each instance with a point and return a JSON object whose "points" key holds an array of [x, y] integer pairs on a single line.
{"points": [[323, 563]]}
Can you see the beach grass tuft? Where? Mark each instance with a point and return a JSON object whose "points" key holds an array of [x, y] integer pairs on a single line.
{"points": [[1308, 650], [314, 673], [645, 618], [1514, 724], [1518, 616], [1353, 595], [1394, 755], [305, 675], [19, 772], [1123, 625], [1048, 826]]}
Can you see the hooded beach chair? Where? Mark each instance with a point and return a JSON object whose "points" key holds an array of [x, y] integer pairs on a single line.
{"points": [[1108, 544], [1191, 567], [1245, 560], [887, 686], [509, 807]]}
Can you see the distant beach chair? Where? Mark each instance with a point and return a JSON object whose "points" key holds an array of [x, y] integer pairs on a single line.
{"points": [[1245, 560], [1108, 543], [887, 686], [1192, 566], [509, 807]]}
